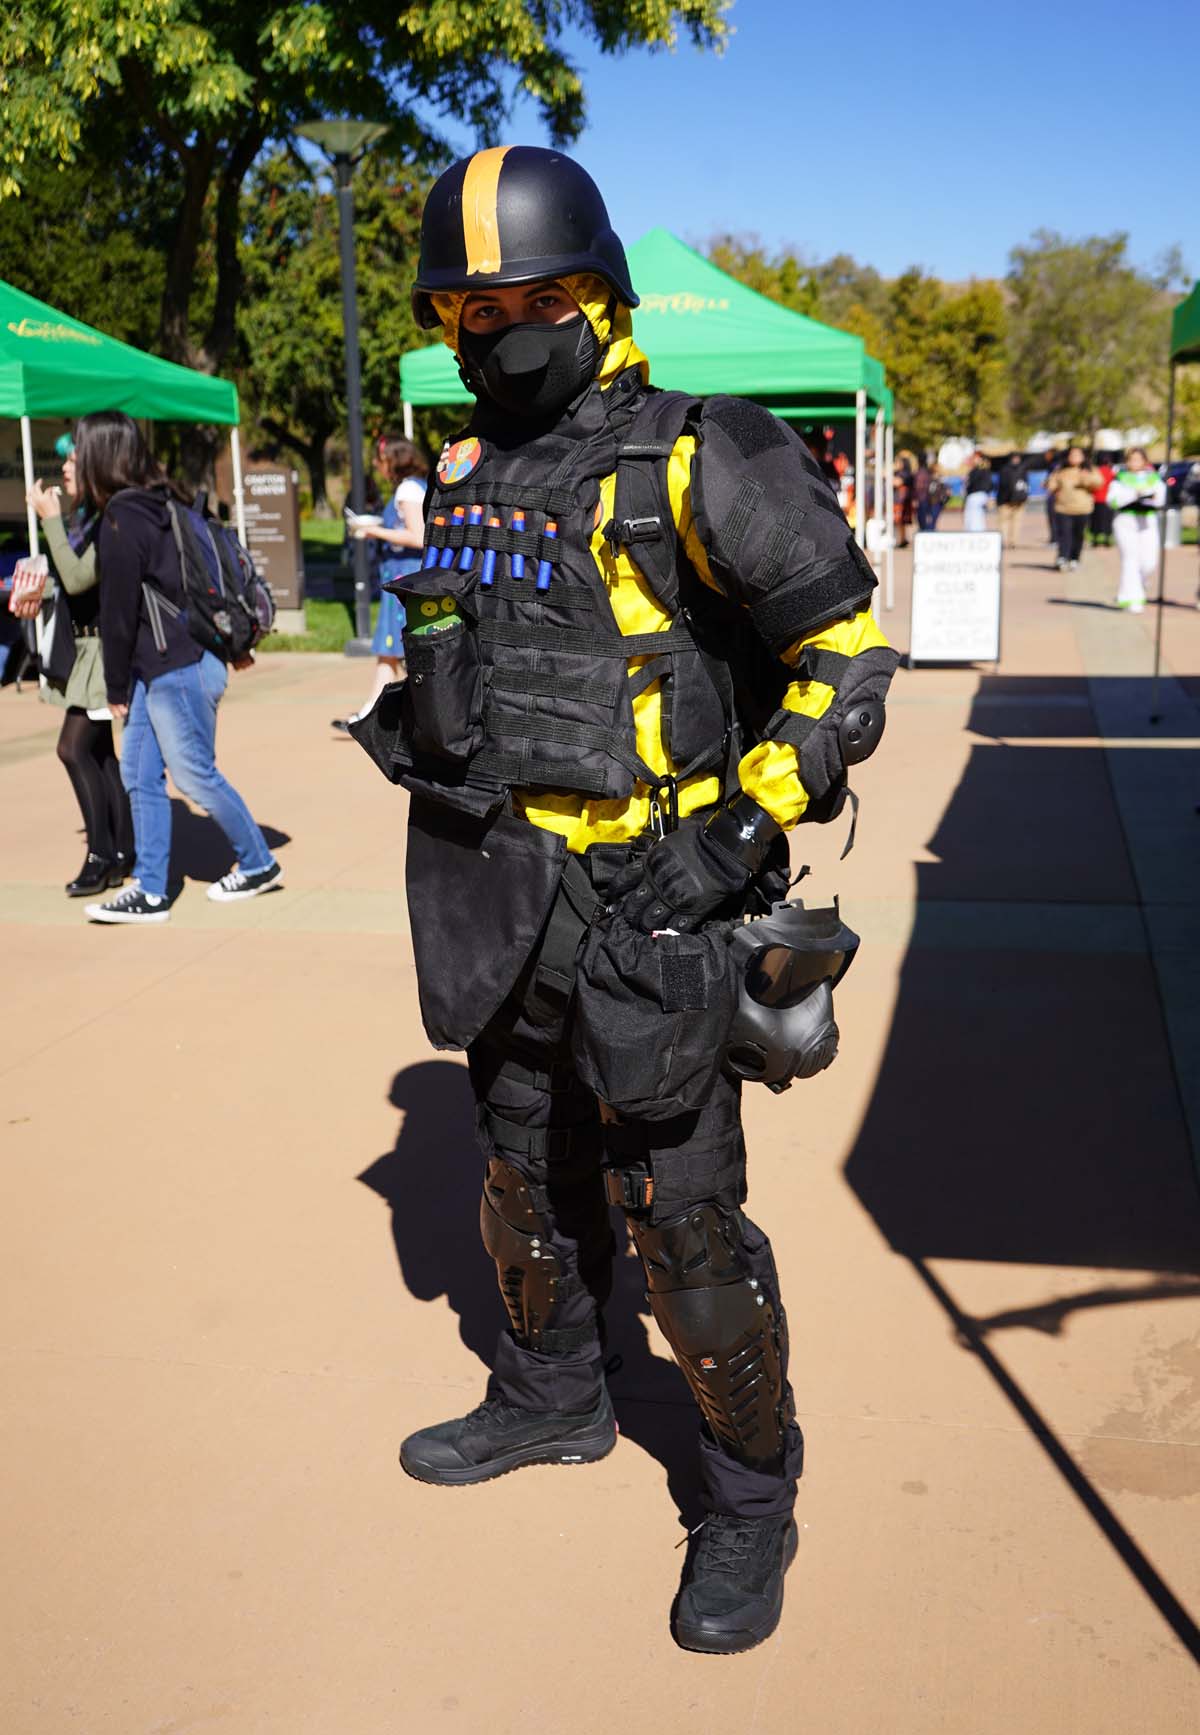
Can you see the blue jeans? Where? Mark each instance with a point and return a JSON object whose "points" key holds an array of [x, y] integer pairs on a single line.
{"points": [[172, 726]]}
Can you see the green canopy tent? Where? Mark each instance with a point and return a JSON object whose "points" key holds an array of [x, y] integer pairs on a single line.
{"points": [[1185, 347], [705, 332], [52, 365]]}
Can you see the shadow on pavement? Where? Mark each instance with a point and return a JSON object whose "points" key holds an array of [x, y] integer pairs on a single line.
{"points": [[1026, 1108], [199, 848], [430, 1181]]}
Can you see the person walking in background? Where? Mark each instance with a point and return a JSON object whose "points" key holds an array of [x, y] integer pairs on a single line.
{"points": [[979, 493], [1052, 463], [1071, 487], [1137, 494], [85, 742], [1012, 491], [1100, 528], [902, 502], [156, 675], [403, 534], [817, 442]]}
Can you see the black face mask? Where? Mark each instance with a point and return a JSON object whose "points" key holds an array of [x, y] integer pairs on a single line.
{"points": [[531, 370]]}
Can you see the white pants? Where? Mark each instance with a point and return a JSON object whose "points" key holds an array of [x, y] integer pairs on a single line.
{"points": [[975, 511], [1137, 540]]}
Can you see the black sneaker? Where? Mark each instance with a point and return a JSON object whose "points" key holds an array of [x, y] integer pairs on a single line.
{"points": [[237, 884], [498, 1436], [130, 906], [731, 1594], [341, 724]]}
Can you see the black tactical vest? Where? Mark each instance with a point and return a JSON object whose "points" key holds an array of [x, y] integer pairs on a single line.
{"points": [[531, 688]]}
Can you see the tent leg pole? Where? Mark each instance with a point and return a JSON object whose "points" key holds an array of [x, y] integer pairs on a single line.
{"points": [[27, 459], [860, 467], [408, 420], [31, 522], [1155, 716], [239, 492], [889, 555]]}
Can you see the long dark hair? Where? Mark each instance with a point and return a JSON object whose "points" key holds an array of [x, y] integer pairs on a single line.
{"points": [[111, 454]]}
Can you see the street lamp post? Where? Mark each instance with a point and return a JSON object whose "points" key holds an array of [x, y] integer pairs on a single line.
{"points": [[345, 142]]}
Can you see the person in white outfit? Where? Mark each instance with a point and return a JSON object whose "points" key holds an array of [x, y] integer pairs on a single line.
{"points": [[1137, 494]]}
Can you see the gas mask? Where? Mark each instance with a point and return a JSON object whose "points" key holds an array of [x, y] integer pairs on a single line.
{"points": [[532, 370]]}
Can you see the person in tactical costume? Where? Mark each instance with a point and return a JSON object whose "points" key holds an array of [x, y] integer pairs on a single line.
{"points": [[640, 650]]}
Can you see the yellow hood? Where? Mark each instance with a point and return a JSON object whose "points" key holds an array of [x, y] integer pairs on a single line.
{"points": [[593, 297]]}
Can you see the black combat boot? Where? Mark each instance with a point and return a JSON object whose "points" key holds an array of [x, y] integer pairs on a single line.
{"points": [[498, 1436], [731, 1594]]}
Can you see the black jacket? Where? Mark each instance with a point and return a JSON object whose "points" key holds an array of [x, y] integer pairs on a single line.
{"points": [[980, 480], [1010, 475], [136, 547]]}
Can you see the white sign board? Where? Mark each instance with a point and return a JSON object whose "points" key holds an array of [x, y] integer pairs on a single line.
{"points": [[956, 597]]}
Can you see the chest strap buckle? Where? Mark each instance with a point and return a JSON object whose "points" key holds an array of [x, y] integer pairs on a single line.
{"points": [[631, 530]]}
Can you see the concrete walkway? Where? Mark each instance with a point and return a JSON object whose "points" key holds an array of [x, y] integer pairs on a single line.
{"points": [[239, 1260]]}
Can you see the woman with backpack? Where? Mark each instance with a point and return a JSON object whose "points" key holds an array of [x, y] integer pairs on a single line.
{"points": [[158, 676], [85, 742]]}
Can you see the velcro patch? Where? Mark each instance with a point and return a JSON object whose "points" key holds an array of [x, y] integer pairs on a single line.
{"points": [[684, 984]]}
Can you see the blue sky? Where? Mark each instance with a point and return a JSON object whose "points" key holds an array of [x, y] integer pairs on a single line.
{"points": [[964, 129]]}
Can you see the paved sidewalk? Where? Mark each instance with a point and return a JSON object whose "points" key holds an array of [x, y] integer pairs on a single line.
{"points": [[239, 1257]]}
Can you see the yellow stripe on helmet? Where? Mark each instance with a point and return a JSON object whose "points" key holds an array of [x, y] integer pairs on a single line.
{"points": [[481, 230]]}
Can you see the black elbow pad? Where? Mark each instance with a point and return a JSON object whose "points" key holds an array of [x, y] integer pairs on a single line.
{"points": [[774, 533], [850, 729]]}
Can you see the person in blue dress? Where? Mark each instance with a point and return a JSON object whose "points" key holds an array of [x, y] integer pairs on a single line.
{"points": [[402, 534]]}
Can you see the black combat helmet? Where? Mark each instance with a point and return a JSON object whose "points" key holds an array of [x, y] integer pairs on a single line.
{"points": [[512, 215]]}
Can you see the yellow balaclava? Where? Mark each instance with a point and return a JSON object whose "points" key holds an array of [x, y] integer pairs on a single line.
{"points": [[594, 299]]}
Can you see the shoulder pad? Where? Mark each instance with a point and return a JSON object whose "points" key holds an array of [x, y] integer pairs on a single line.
{"points": [[772, 527]]}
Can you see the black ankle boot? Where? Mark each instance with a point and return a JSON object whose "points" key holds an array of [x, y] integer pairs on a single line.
{"points": [[731, 1594], [497, 1437], [122, 867], [94, 876]]}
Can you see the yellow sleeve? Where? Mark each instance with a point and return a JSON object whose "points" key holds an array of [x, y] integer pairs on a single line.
{"points": [[770, 772]]}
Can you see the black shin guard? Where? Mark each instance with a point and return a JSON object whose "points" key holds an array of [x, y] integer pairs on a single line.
{"points": [[549, 1308], [725, 1326]]}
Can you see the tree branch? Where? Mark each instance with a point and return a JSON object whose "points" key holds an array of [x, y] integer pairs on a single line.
{"points": [[133, 77]]}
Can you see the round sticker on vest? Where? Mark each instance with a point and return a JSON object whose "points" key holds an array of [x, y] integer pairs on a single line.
{"points": [[458, 461]]}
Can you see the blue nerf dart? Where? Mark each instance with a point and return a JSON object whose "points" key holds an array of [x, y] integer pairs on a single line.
{"points": [[517, 561], [466, 559], [433, 552], [543, 576], [456, 518], [487, 575]]}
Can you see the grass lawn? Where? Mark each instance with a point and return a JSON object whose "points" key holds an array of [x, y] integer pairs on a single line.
{"points": [[322, 538], [329, 625]]}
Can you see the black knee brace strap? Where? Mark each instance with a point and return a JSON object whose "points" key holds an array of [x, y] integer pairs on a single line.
{"points": [[543, 1144], [532, 1279], [723, 1326]]}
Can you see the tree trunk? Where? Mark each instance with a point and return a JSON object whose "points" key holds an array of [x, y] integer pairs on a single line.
{"points": [[314, 457], [311, 447]]}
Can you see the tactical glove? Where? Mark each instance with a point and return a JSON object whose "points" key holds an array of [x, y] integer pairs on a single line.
{"points": [[687, 875]]}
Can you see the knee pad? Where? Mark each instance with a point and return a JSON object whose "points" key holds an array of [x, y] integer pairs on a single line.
{"points": [[532, 1278], [724, 1325]]}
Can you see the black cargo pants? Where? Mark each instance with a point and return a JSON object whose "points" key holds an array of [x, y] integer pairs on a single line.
{"points": [[574, 1158]]}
